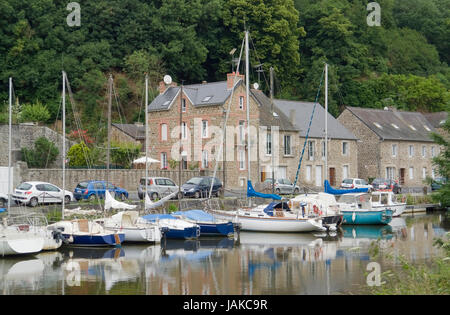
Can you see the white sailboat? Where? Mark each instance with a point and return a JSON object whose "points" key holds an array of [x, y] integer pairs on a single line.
{"points": [[388, 200], [14, 239]]}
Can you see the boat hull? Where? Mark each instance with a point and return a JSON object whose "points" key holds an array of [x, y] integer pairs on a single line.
{"points": [[186, 233], [94, 240], [11, 245], [397, 209], [367, 216], [140, 235], [216, 229]]}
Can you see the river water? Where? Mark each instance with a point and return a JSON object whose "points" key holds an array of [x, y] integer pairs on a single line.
{"points": [[253, 264]]}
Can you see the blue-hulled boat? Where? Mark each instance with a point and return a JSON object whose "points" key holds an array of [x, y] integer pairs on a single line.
{"points": [[173, 227], [208, 223], [87, 233], [357, 209]]}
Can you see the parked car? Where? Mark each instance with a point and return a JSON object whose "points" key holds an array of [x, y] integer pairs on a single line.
{"points": [[94, 189], [3, 200], [199, 187], [157, 187], [386, 183], [282, 186], [437, 183], [34, 193], [351, 183]]}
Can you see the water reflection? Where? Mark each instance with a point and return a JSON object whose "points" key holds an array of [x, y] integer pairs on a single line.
{"points": [[256, 263]]}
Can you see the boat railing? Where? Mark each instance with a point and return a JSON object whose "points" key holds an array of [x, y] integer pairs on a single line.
{"points": [[33, 219]]}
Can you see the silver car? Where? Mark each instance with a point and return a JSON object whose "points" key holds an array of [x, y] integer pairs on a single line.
{"points": [[157, 187], [282, 186]]}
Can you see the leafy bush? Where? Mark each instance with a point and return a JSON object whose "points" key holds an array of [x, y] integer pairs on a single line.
{"points": [[79, 155], [34, 113], [123, 154], [43, 154]]}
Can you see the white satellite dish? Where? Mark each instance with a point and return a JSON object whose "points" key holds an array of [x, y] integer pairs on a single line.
{"points": [[167, 79], [255, 86]]}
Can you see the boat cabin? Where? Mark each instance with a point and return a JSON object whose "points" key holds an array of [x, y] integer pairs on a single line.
{"points": [[277, 209], [358, 200]]}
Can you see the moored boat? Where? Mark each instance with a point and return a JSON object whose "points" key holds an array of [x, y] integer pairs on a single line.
{"points": [[357, 209], [208, 223], [386, 199], [173, 227]]}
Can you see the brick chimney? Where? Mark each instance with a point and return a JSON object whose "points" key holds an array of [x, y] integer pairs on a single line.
{"points": [[163, 87], [230, 78]]}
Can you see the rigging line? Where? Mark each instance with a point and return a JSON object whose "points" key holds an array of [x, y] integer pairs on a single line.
{"points": [[77, 120], [307, 132], [259, 60], [57, 115], [220, 152]]}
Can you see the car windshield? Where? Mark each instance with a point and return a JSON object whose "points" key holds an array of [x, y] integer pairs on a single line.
{"points": [[82, 185], [24, 186], [194, 181], [347, 181]]}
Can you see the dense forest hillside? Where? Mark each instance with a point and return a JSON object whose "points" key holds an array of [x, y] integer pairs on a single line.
{"points": [[402, 63]]}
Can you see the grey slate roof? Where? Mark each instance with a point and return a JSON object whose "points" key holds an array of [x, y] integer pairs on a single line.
{"points": [[197, 94], [436, 119], [266, 118], [135, 131], [300, 113], [395, 125]]}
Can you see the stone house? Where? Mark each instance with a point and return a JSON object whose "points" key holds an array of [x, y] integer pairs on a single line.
{"points": [[342, 145], [437, 120], [125, 133], [188, 127], [393, 144]]}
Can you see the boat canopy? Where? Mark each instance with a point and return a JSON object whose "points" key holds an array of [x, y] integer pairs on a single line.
{"points": [[331, 190], [196, 215], [252, 193], [276, 206], [154, 217]]}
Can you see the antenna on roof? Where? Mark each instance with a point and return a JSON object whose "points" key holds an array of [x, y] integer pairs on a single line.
{"points": [[167, 79]]}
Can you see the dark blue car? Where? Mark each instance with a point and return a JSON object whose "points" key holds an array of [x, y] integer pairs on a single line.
{"points": [[93, 189], [199, 187]]}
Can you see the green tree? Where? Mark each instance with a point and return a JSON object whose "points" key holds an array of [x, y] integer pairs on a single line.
{"points": [[123, 154], [42, 155], [442, 162], [36, 112]]}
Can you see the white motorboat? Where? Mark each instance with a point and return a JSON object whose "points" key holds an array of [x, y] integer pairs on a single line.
{"points": [[321, 204], [273, 217], [388, 200], [134, 228]]}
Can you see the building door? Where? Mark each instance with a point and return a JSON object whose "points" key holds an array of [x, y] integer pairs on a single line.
{"points": [[319, 175], [402, 176], [332, 176], [281, 172]]}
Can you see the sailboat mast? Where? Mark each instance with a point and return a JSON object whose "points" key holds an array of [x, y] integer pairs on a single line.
{"points": [[326, 121], [247, 73], [63, 142], [9, 144], [108, 156], [146, 135]]}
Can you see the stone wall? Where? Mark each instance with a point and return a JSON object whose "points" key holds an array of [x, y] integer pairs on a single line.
{"points": [[24, 136]]}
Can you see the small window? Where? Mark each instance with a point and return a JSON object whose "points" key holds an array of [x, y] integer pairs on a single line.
{"points": [[166, 103], [164, 160], [207, 98], [241, 102], [394, 150], [378, 125], [344, 148], [411, 150], [204, 129], [163, 132], [395, 126], [426, 127], [287, 145], [269, 143], [183, 105], [412, 127]]}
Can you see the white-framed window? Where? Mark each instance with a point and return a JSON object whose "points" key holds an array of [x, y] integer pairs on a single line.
{"points": [[344, 148], [204, 159], [163, 132], [241, 132], [411, 172], [411, 150], [424, 151], [204, 129], [323, 150], [183, 105], [308, 173], [183, 130], [390, 172], [394, 150], [241, 159], [287, 145], [269, 143], [433, 151], [345, 171], [433, 173], [311, 145], [163, 160], [242, 181], [424, 172], [241, 102]]}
